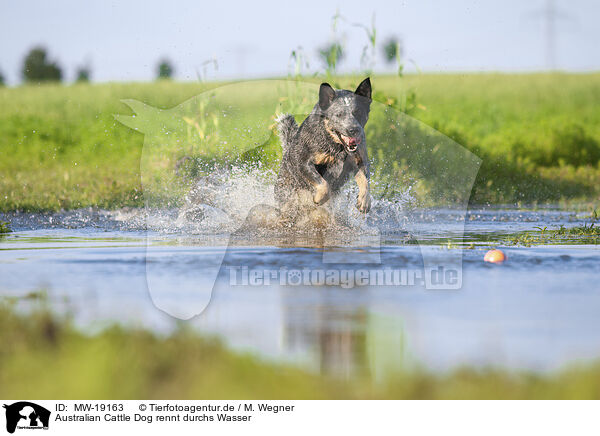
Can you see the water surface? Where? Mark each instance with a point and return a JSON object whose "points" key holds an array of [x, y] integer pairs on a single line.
{"points": [[539, 310]]}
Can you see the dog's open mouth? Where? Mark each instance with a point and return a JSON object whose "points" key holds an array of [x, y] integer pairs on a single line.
{"points": [[349, 142]]}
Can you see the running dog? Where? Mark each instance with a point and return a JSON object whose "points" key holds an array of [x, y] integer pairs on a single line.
{"points": [[328, 148]]}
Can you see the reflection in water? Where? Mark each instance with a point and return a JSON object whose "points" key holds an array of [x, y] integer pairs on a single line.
{"points": [[341, 335], [335, 336]]}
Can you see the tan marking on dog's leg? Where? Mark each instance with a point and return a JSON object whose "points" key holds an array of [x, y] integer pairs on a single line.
{"points": [[321, 193], [321, 158], [363, 202]]}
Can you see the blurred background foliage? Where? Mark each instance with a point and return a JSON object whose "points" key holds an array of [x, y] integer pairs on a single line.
{"points": [[118, 363], [536, 134]]}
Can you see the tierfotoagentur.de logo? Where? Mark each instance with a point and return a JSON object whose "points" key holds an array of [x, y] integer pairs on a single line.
{"points": [[26, 415]]}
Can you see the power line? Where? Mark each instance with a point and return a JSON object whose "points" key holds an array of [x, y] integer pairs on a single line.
{"points": [[550, 14]]}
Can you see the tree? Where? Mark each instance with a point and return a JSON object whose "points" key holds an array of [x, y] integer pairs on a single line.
{"points": [[392, 50], [165, 69], [37, 68], [83, 74], [1, 79]]}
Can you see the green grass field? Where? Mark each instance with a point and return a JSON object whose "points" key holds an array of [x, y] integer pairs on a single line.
{"points": [[119, 363], [538, 136]]}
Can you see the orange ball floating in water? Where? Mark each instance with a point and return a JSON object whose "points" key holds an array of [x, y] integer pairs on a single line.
{"points": [[494, 256]]}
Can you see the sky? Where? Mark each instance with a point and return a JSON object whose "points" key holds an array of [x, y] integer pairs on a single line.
{"points": [[124, 40]]}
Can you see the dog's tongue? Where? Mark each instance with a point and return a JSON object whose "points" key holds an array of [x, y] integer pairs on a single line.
{"points": [[351, 142]]}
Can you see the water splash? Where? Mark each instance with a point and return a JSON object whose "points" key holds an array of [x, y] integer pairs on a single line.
{"points": [[221, 202]]}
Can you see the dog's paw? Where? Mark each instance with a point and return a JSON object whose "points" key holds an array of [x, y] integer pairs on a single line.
{"points": [[363, 203], [321, 193]]}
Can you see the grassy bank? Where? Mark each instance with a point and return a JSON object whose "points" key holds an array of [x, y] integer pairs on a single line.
{"points": [[119, 363], [538, 136]]}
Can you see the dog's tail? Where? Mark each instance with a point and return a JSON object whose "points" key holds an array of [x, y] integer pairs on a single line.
{"points": [[287, 128]]}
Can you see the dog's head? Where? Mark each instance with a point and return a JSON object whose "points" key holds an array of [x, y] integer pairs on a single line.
{"points": [[345, 113]]}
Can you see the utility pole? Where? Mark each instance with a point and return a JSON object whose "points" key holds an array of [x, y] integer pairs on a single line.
{"points": [[550, 18], [550, 15]]}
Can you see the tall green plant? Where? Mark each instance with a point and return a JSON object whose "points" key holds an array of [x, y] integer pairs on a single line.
{"points": [[298, 62], [368, 57], [392, 52], [333, 53]]}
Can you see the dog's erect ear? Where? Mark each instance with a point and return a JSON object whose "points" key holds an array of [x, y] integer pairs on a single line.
{"points": [[364, 89], [326, 95]]}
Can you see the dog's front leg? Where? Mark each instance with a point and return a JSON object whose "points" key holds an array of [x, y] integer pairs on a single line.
{"points": [[322, 193], [363, 202], [319, 184]]}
